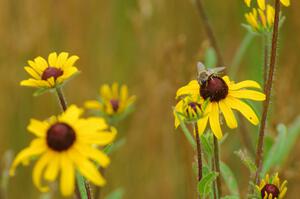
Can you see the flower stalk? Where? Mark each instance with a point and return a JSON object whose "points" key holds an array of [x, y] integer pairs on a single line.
{"points": [[199, 154], [268, 89], [217, 167], [82, 187]]}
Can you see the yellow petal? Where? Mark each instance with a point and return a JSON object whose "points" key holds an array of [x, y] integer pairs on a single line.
{"points": [[92, 104], [282, 193], [70, 62], [100, 138], [263, 19], [202, 123], [37, 172], [68, 73], [178, 108], [192, 88], [270, 15], [98, 156], [34, 83], [123, 93], [261, 4], [38, 128], [105, 92], [245, 84], [247, 2], [243, 108], [115, 90], [71, 115], [88, 170], [35, 67], [90, 125], [286, 2], [52, 59], [67, 178], [41, 63], [228, 114], [37, 146], [248, 94], [32, 72], [61, 59], [53, 168], [214, 120]]}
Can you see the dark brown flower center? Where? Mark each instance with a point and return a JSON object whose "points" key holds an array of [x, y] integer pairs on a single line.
{"points": [[270, 189], [214, 88], [52, 72], [60, 137], [115, 104]]}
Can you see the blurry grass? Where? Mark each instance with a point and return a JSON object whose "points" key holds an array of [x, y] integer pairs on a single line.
{"points": [[153, 46]]}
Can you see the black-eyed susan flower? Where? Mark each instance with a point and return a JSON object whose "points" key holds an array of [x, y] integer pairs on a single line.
{"points": [[64, 145], [262, 3], [112, 100], [189, 109], [271, 188], [52, 72], [260, 20], [223, 95]]}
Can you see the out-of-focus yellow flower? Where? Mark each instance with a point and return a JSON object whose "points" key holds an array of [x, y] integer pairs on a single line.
{"points": [[52, 72], [189, 109], [223, 95], [112, 100], [66, 144], [261, 21], [271, 188], [262, 3]]}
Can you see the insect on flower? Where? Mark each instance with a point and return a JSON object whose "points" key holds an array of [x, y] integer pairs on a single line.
{"points": [[205, 74]]}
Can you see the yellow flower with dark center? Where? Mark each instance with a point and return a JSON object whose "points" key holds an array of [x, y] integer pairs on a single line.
{"points": [[64, 145], [260, 20], [52, 72], [188, 109], [262, 3], [223, 95], [271, 188], [112, 100]]}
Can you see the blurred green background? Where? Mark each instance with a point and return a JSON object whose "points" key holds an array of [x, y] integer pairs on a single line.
{"points": [[151, 45]]}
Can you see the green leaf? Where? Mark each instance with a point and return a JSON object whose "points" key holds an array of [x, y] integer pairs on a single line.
{"points": [[41, 91], [210, 58], [247, 160], [206, 145], [186, 132], [229, 179], [81, 185], [114, 146], [116, 194], [206, 183]]}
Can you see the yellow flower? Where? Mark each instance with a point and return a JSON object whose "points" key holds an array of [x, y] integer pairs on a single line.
{"points": [[51, 73], [188, 109], [262, 3], [271, 188], [112, 100], [223, 95], [64, 145], [260, 20]]}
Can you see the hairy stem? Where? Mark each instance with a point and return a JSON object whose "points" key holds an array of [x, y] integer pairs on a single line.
{"points": [[268, 89], [199, 154], [217, 167], [82, 187], [209, 31]]}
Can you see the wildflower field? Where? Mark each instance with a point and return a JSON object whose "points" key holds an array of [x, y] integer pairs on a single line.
{"points": [[152, 99]]}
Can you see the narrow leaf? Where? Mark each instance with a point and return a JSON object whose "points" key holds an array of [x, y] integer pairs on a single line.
{"points": [[229, 179]]}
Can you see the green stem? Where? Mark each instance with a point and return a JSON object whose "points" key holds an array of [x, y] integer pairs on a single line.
{"points": [[199, 154], [217, 167], [82, 188], [186, 132], [268, 89]]}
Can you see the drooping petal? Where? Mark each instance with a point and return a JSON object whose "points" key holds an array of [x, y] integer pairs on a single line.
{"points": [[248, 94], [202, 123], [228, 114], [67, 178], [37, 147], [178, 108], [53, 167], [191, 89], [245, 84], [243, 108], [38, 128], [34, 83], [214, 121], [38, 170], [88, 170]]}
